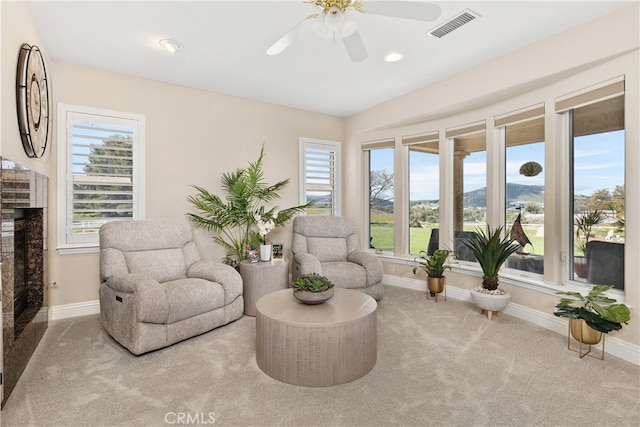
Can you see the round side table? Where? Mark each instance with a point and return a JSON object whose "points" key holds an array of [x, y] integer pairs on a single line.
{"points": [[261, 278]]}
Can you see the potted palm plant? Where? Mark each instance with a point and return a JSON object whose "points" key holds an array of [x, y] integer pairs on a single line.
{"points": [[235, 217], [434, 266], [584, 232], [592, 315], [491, 249]]}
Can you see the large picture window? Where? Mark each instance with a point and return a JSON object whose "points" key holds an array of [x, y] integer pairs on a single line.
{"points": [[379, 158], [555, 181], [100, 171], [424, 189], [469, 183], [598, 192], [523, 135]]}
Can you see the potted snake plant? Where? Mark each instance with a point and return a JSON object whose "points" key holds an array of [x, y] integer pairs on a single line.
{"points": [[492, 250], [434, 267]]}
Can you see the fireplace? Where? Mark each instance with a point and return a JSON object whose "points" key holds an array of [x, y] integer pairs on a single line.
{"points": [[20, 272], [27, 267], [23, 251]]}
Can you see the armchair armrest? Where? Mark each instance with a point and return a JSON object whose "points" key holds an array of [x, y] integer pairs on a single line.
{"points": [[143, 288], [223, 274], [131, 283], [371, 264], [305, 263]]}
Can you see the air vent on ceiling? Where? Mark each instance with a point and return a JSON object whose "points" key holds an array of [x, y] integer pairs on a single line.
{"points": [[454, 23]]}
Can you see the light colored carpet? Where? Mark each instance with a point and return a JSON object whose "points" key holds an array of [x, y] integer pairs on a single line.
{"points": [[440, 364]]}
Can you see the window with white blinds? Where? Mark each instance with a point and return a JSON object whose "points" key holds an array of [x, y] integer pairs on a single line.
{"points": [[320, 176], [100, 161]]}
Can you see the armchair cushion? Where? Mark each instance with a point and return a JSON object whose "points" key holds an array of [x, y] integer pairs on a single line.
{"points": [[162, 264], [327, 249]]}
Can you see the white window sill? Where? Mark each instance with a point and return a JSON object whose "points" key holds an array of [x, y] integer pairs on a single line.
{"points": [[77, 249], [522, 281]]}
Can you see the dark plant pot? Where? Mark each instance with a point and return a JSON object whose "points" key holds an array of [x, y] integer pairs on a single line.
{"points": [[580, 267], [583, 333], [307, 297]]}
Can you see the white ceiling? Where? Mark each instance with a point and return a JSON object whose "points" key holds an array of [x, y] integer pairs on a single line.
{"points": [[224, 44]]}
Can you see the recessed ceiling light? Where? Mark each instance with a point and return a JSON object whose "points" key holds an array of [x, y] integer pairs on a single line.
{"points": [[393, 57], [171, 45]]}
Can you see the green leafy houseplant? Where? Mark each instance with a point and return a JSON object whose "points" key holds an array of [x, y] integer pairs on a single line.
{"points": [[599, 312], [312, 282], [233, 216], [491, 250], [433, 265]]}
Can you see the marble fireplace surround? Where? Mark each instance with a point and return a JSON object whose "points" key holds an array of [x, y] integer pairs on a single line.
{"points": [[25, 191]]}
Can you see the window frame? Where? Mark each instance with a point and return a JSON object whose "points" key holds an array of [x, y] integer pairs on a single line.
{"points": [[431, 137], [569, 247], [305, 143], [366, 148], [90, 243], [502, 122]]}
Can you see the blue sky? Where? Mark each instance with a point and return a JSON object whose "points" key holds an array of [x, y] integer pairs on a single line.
{"points": [[598, 164]]}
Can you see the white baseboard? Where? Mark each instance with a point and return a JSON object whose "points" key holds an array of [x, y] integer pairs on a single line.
{"points": [[64, 311], [614, 346]]}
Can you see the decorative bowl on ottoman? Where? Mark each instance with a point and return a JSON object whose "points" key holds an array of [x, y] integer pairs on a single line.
{"points": [[312, 289], [307, 297]]}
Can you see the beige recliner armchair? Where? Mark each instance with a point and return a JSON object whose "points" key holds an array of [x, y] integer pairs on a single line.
{"points": [[155, 290], [328, 245]]}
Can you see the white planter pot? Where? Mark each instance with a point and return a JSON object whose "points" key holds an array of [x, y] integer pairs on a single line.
{"points": [[265, 252], [490, 303]]}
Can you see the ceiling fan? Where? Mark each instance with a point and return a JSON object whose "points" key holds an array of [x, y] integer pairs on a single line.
{"points": [[332, 23]]}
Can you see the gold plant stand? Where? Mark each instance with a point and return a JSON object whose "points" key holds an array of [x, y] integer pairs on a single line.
{"points": [[585, 339]]}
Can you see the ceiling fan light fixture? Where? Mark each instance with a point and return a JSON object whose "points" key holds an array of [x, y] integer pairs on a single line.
{"points": [[333, 25], [171, 46], [333, 19]]}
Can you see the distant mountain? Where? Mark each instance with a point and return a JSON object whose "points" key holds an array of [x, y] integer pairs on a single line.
{"points": [[515, 193]]}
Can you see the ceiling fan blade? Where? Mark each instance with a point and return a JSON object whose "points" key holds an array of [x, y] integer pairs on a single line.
{"points": [[283, 43], [355, 47], [286, 40], [418, 11]]}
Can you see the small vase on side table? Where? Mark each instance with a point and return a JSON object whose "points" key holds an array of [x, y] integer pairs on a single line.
{"points": [[265, 252]]}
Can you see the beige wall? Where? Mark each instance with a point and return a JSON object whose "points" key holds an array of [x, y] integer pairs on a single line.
{"points": [[587, 55], [192, 137]]}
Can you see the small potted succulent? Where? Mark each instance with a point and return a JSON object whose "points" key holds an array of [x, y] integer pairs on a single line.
{"points": [[434, 266], [312, 288], [593, 314]]}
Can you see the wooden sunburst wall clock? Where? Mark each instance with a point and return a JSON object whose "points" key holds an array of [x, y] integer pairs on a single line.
{"points": [[32, 101]]}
